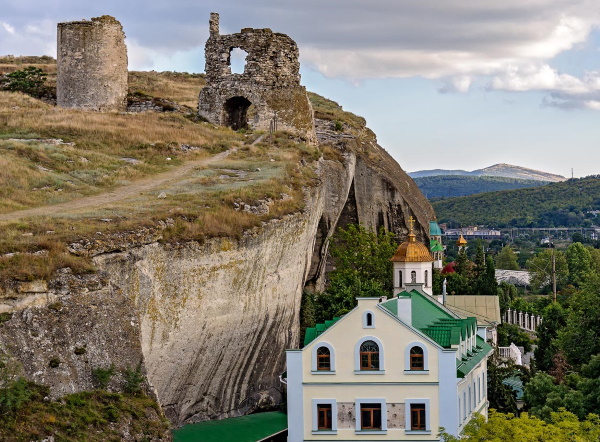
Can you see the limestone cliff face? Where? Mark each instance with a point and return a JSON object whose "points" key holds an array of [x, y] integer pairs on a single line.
{"points": [[209, 322]]}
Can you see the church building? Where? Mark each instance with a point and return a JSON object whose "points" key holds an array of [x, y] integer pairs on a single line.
{"points": [[391, 369]]}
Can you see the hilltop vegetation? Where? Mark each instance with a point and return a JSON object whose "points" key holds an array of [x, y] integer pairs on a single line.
{"points": [[562, 204], [448, 186]]}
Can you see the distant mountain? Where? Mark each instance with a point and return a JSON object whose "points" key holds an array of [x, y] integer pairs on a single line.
{"points": [[502, 169], [571, 203], [448, 186]]}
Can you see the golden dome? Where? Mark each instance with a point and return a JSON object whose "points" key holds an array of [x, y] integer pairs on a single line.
{"points": [[461, 241], [412, 251]]}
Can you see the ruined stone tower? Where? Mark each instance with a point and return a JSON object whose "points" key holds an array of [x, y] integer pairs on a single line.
{"points": [[92, 65], [267, 94]]}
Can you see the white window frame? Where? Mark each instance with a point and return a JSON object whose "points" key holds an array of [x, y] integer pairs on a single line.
{"points": [[408, 403], [423, 347], [358, 402], [315, 416], [313, 362], [357, 369], [364, 319]]}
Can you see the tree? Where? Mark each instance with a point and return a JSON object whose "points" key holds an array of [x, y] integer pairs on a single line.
{"points": [[554, 319], [579, 261], [540, 269], [510, 333], [362, 268], [502, 397], [507, 293], [579, 338], [29, 81], [543, 396], [364, 253], [507, 259]]}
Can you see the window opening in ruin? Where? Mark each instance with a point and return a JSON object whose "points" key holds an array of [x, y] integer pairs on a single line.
{"points": [[237, 60], [236, 112]]}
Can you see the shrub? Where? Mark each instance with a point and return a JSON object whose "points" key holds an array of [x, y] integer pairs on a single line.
{"points": [[13, 394], [29, 81], [133, 380], [101, 376]]}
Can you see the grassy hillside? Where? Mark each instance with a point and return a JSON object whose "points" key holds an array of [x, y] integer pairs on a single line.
{"points": [[448, 186], [104, 153], [553, 205]]}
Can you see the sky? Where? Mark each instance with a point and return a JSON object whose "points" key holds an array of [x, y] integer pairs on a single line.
{"points": [[449, 84]]}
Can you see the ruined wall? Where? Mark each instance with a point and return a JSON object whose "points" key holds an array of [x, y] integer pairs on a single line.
{"points": [[92, 65], [268, 87]]}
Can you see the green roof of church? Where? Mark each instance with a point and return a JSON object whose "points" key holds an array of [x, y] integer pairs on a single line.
{"points": [[434, 229], [312, 332], [435, 246]]}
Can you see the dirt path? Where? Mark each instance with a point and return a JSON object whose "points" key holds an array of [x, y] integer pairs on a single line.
{"points": [[118, 194]]}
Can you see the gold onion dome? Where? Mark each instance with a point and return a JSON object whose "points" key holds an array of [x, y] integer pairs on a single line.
{"points": [[461, 241], [411, 250]]}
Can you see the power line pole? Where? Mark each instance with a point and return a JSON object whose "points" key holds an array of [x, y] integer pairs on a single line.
{"points": [[553, 275]]}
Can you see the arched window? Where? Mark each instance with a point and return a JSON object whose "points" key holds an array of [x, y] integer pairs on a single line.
{"points": [[369, 356], [426, 278], [323, 359], [368, 320], [413, 276], [417, 359], [399, 278]]}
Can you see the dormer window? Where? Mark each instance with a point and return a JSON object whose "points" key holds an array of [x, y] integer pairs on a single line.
{"points": [[323, 359], [368, 320]]}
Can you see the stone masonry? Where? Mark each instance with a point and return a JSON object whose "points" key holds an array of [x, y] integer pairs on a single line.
{"points": [[267, 94], [92, 65]]}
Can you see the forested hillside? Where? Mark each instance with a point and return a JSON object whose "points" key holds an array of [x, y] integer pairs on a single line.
{"points": [[562, 204], [448, 186]]}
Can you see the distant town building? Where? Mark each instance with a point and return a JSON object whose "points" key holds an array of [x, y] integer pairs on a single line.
{"points": [[472, 232]]}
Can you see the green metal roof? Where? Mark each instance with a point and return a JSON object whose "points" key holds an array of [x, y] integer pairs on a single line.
{"points": [[464, 366], [433, 320], [425, 311], [516, 384], [435, 246], [251, 428], [313, 332], [434, 229]]}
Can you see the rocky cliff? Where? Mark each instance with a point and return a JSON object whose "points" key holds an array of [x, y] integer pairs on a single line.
{"points": [[208, 322]]}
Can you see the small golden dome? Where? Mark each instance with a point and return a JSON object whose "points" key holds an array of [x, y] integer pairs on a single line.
{"points": [[461, 241], [412, 251]]}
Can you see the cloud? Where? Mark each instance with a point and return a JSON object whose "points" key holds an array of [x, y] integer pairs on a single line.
{"points": [[565, 91], [453, 41], [8, 28]]}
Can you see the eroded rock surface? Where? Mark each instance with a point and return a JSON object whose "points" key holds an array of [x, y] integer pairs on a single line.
{"points": [[209, 322]]}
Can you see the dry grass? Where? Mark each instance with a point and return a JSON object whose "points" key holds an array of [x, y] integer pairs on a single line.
{"points": [[180, 87], [202, 204]]}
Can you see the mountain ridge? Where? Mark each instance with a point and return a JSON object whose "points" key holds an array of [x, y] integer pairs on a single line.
{"points": [[499, 170]]}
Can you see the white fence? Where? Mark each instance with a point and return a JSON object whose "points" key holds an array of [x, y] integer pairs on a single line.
{"points": [[527, 321], [511, 352]]}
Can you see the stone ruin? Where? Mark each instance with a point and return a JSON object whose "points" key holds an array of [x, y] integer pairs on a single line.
{"points": [[267, 95], [92, 65]]}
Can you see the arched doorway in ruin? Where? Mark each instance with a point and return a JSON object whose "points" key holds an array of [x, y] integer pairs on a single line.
{"points": [[236, 112]]}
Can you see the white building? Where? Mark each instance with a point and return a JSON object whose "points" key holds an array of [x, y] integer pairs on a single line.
{"points": [[389, 370]]}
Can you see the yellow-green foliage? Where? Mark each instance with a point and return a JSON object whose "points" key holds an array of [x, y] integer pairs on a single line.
{"points": [[564, 427]]}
